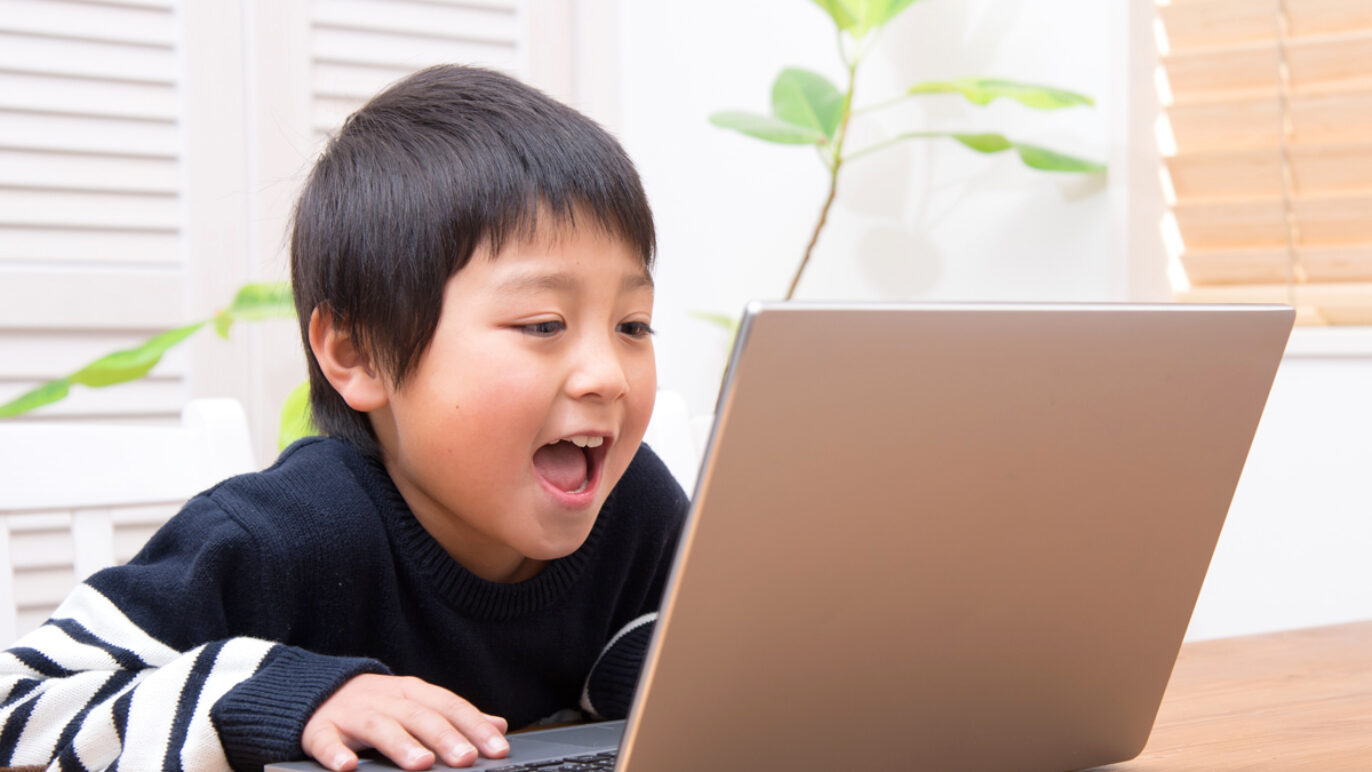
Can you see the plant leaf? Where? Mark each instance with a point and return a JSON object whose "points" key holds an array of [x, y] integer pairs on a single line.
{"points": [[858, 17], [765, 127], [867, 15], [1034, 156], [117, 367], [295, 417], [134, 363], [1052, 161], [982, 143], [982, 91], [50, 392], [838, 11], [261, 300], [252, 302], [879, 12], [725, 321], [808, 99]]}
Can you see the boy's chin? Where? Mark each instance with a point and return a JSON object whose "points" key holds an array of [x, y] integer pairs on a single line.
{"points": [[554, 550], [558, 545]]}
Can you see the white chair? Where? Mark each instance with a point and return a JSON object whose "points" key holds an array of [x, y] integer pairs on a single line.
{"points": [[76, 498]]}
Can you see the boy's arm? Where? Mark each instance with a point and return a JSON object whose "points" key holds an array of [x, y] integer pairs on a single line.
{"points": [[142, 666], [89, 688]]}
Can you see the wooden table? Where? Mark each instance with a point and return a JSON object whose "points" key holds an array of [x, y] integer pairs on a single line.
{"points": [[1294, 700]]}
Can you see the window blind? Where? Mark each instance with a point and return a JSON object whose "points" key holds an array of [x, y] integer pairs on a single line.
{"points": [[1266, 103]]}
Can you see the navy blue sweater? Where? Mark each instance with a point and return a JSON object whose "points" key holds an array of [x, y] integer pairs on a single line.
{"points": [[251, 606]]}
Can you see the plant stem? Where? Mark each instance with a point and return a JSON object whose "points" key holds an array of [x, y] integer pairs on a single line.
{"points": [[839, 136], [814, 238], [881, 105], [896, 140]]}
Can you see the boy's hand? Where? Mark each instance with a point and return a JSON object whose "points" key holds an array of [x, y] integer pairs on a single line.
{"points": [[407, 719]]}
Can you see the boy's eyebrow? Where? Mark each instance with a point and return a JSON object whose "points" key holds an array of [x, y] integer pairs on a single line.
{"points": [[559, 281], [635, 281]]}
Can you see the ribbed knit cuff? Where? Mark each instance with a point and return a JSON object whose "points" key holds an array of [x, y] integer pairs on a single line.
{"points": [[609, 690], [259, 721]]}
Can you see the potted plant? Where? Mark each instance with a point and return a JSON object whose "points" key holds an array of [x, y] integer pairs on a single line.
{"points": [[808, 109]]}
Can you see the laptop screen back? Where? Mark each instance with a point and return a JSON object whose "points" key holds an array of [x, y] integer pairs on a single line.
{"points": [[950, 537]]}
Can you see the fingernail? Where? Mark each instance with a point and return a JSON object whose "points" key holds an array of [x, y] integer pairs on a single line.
{"points": [[339, 761], [457, 751], [417, 756], [497, 744]]}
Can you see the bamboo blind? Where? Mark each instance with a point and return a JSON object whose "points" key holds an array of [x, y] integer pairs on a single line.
{"points": [[1271, 113]]}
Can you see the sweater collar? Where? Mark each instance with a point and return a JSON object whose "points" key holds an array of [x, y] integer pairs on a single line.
{"points": [[466, 592]]}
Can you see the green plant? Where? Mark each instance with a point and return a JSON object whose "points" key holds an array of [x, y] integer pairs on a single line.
{"points": [[808, 109], [252, 302]]}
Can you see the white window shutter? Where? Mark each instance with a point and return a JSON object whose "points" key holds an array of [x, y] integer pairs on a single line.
{"points": [[151, 150], [360, 46], [90, 197]]}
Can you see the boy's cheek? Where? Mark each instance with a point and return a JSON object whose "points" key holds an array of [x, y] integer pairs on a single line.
{"points": [[636, 423]]}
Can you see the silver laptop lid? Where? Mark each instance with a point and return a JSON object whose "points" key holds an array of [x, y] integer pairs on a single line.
{"points": [[950, 536]]}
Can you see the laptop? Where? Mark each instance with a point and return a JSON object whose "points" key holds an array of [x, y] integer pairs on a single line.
{"points": [[942, 536]]}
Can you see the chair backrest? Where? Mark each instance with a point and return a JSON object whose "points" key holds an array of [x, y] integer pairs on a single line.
{"points": [[76, 498]]}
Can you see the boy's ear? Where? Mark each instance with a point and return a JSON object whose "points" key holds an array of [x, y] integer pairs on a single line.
{"points": [[346, 364]]}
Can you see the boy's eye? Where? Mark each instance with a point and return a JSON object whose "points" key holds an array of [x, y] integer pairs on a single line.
{"points": [[542, 329], [636, 329]]}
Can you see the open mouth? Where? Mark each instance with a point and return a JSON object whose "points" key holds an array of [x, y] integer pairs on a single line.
{"points": [[571, 465]]}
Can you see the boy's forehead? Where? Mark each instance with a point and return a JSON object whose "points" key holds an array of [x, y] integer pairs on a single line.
{"points": [[551, 256], [561, 258], [542, 227], [548, 275]]}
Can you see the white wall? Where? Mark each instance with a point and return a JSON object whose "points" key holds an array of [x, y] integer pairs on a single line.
{"points": [[1296, 550], [924, 220]]}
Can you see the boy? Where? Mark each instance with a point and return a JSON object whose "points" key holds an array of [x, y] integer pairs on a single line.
{"points": [[478, 543]]}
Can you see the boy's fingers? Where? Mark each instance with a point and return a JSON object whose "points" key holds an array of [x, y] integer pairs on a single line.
{"points": [[487, 736], [499, 722], [384, 733], [325, 745], [437, 732], [482, 730]]}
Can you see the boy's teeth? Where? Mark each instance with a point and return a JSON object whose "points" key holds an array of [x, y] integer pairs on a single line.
{"points": [[584, 441]]}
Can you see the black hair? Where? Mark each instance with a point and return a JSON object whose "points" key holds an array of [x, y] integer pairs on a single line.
{"points": [[449, 159]]}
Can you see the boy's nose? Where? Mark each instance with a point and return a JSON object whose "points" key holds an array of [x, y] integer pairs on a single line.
{"points": [[598, 372]]}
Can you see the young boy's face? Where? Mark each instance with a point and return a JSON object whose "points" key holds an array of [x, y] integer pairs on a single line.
{"points": [[539, 350]]}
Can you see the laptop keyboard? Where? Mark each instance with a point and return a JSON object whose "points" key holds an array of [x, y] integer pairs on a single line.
{"points": [[591, 762]]}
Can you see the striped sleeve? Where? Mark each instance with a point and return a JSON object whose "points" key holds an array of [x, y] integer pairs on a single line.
{"points": [[91, 690]]}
